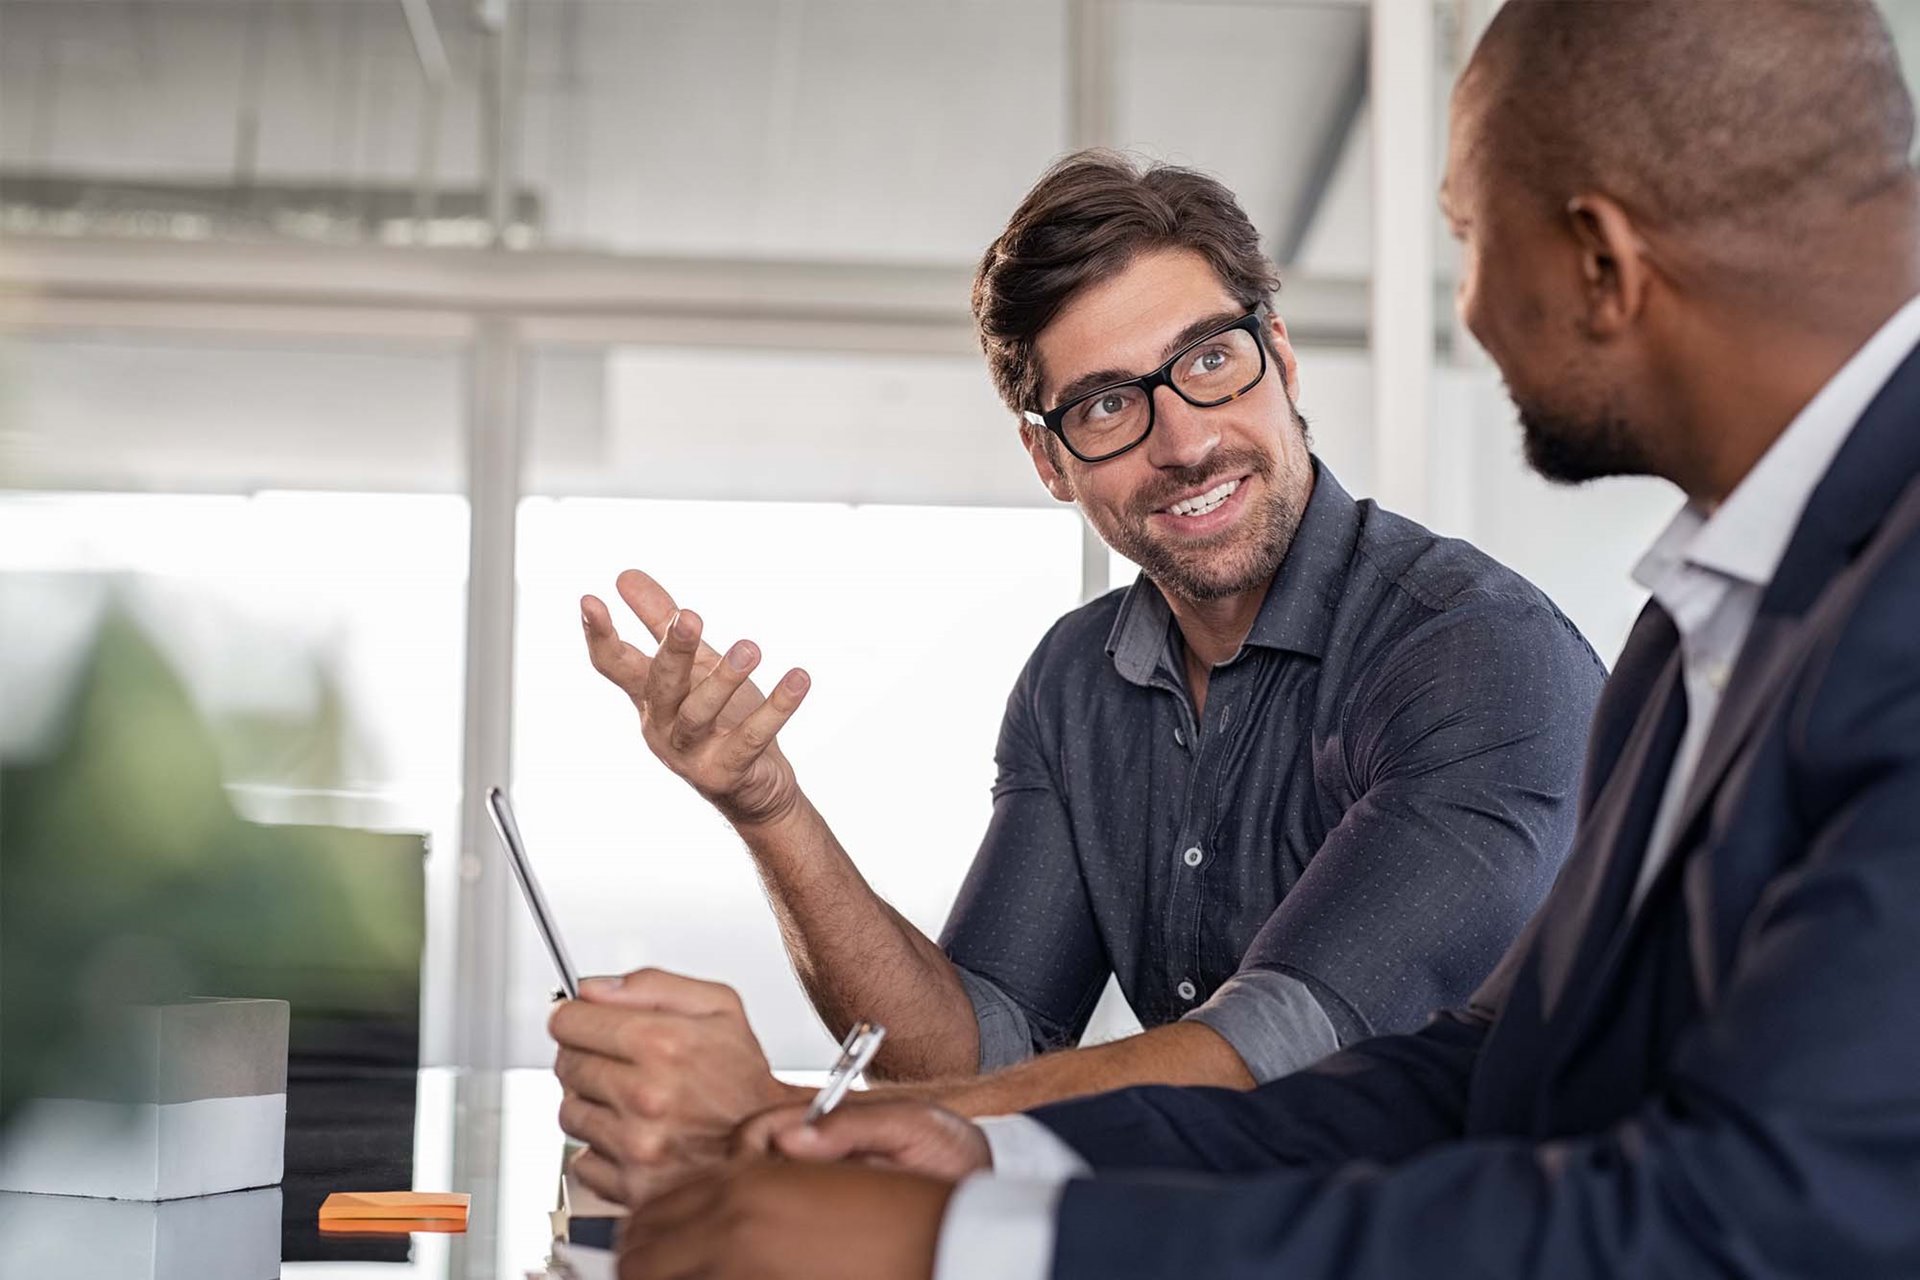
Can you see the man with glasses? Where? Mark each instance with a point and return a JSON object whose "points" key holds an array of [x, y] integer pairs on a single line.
{"points": [[1302, 783]]}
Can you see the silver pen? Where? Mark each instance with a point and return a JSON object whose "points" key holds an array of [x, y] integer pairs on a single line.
{"points": [[856, 1051]]}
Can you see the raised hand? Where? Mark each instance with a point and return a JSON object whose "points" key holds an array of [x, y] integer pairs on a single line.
{"points": [[699, 712]]}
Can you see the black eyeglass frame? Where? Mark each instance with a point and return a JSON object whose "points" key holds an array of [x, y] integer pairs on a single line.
{"points": [[1054, 420]]}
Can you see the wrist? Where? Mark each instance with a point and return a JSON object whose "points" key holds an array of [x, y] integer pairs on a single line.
{"points": [[775, 825]]}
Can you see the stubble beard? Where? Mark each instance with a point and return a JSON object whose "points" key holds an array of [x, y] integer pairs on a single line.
{"points": [[1575, 447], [1239, 559]]}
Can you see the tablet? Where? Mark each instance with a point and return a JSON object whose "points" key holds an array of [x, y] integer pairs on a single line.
{"points": [[502, 811]]}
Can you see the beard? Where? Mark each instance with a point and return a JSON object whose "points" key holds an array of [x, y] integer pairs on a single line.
{"points": [[1575, 447], [1236, 560]]}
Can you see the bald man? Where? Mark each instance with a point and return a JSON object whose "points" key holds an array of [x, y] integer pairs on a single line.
{"points": [[1692, 242]]}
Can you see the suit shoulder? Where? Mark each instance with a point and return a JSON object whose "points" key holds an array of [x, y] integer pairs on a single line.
{"points": [[1864, 690]]}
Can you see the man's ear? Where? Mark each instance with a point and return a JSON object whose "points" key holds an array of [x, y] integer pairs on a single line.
{"points": [[1040, 447], [1614, 268], [1283, 351]]}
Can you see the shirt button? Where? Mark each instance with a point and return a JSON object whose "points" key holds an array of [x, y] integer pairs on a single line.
{"points": [[1187, 990], [1180, 737], [1192, 856]]}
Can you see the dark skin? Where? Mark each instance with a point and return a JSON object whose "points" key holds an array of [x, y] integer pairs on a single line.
{"points": [[1707, 370], [760, 1219]]}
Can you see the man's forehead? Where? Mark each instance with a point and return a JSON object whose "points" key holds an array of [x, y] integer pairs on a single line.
{"points": [[1126, 323]]}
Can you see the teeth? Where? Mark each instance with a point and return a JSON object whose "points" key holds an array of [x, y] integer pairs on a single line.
{"points": [[1205, 502]]}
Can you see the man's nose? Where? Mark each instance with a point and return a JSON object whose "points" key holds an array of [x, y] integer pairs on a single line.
{"points": [[1183, 436]]}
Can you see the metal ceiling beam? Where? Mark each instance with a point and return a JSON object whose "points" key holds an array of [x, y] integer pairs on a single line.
{"points": [[1312, 193], [1089, 73], [561, 296]]}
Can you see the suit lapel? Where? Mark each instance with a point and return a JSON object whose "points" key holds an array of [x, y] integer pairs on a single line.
{"points": [[1613, 829], [1773, 647], [1866, 477], [1880, 457]]}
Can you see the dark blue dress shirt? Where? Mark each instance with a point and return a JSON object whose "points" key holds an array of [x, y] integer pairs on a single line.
{"points": [[1377, 797]]}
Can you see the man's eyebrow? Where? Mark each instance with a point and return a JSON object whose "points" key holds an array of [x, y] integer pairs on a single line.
{"points": [[1107, 377]]}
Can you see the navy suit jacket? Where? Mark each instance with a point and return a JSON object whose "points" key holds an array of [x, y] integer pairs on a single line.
{"points": [[1726, 1083]]}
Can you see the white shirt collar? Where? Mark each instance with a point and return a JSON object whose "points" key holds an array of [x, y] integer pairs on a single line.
{"points": [[1747, 537]]}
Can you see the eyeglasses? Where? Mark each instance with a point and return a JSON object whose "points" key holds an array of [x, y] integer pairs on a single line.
{"points": [[1224, 365]]}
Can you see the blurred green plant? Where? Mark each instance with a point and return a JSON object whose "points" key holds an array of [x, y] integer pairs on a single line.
{"points": [[126, 876]]}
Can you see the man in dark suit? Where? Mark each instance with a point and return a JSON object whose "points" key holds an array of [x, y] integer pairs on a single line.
{"points": [[1692, 238]]}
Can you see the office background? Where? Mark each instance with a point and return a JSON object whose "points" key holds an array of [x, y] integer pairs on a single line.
{"points": [[353, 340]]}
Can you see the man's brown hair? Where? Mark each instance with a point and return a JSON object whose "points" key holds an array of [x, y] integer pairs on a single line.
{"points": [[1089, 216]]}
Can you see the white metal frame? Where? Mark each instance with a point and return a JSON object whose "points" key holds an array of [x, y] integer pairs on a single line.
{"points": [[1402, 327]]}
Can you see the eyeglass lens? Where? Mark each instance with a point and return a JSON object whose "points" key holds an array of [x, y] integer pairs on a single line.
{"points": [[1214, 370]]}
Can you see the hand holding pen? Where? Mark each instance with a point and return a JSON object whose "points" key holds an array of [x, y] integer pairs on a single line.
{"points": [[856, 1051]]}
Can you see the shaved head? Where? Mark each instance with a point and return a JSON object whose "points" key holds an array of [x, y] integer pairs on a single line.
{"points": [[1678, 219], [1759, 119]]}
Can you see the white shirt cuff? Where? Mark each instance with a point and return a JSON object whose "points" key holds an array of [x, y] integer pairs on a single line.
{"points": [[1000, 1225], [998, 1229], [1022, 1147]]}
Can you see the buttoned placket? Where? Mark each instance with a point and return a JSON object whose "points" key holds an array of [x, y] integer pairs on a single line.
{"points": [[1204, 741]]}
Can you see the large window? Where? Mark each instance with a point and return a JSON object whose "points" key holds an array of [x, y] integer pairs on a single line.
{"points": [[913, 622], [318, 610], [226, 492]]}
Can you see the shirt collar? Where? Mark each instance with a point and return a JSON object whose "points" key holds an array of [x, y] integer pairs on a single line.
{"points": [[1747, 537], [1297, 613]]}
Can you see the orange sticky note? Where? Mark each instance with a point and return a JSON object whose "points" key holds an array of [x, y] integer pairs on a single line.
{"points": [[438, 1207], [368, 1227]]}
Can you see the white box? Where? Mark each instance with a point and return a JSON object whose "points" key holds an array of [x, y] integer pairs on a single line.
{"points": [[200, 1108], [235, 1236]]}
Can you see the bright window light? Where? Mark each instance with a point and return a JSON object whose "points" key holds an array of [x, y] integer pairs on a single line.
{"points": [[913, 622]]}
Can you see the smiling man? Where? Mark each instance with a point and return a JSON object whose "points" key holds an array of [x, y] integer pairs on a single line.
{"points": [[1300, 784]]}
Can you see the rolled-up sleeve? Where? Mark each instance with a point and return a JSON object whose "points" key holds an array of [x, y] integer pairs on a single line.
{"points": [[1464, 743], [1022, 932], [1273, 1021]]}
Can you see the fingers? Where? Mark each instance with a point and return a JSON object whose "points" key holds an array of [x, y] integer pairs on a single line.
{"points": [[611, 656], [703, 705], [905, 1135], [596, 1028], [660, 990], [755, 1137], [648, 600], [767, 719], [600, 1175], [592, 1076], [593, 1124], [885, 1131], [672, 671]]}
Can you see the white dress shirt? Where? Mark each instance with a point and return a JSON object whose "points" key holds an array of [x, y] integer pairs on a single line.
{"points": [[1709, 570]]}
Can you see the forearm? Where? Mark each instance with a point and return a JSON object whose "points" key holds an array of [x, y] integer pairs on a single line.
{"points": [[856, 956], [1182, 1053]]}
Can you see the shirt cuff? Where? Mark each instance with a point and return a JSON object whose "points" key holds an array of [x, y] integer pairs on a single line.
{"points": [[1022, 1147], [1273, 1021], [1005, 1036], [999, 1229]]}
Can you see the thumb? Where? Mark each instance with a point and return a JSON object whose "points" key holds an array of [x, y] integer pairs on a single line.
{"points": [[659, 990], [850, 1131]]}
